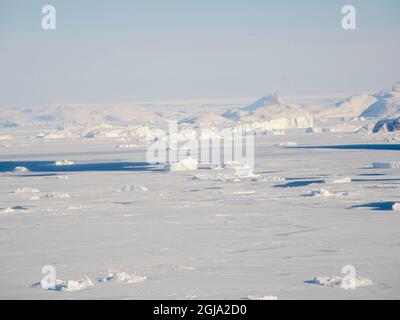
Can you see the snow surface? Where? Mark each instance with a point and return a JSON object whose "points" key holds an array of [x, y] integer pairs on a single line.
{"points": [[221, 235]]}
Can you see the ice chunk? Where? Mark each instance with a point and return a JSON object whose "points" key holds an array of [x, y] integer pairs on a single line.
{"points": [[69, 285], [396, 206], [182, 165], [340, 282], [20, 169], [320, 193], [8, 210], [64, 163], [287, 144], [239, 169], [338, 180], [26, 190], [123, 277]]}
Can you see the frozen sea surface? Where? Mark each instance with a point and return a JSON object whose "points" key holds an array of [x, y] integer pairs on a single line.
{"points": [[200, 238]]}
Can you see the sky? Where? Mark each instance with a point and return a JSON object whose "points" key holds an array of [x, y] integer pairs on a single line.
{"points": [[130, 50]]}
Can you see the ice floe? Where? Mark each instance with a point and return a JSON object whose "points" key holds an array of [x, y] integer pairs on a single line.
{"points": [[340, 282], [7, 210], [64, 163], [239, 169], [134, 188], [320, 193], [287, 144], [396, 206], [123, 277], [337, 180], [21, 169], [65, 285]]}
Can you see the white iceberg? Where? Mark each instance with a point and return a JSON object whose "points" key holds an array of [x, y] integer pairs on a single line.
{"points": [[239, 169]]}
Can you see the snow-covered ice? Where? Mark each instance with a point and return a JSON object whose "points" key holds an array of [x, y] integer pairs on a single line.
{"points": [[188, 164], [123, 277], [134, 188], [64, 163], [340, 282], [323, 195]]}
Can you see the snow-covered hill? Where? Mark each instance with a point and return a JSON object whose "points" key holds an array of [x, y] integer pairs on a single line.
{"points": [[266, 108], [387, 104], [382, 104], [350, 107], [269, 113]]}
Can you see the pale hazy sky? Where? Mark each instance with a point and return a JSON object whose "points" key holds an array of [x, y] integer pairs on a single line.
{"points": [[119, 51]]}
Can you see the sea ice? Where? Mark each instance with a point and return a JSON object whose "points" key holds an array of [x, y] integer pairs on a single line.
{"points": [[8, 210], [62, 177], [338, 180], [57, 195], [320, 193], [396, 206], [134, 188], [287, 144], [239, 169], [26, 190], [63, 163], [123, 277], [125, 146], [269, 179], [68, 285], [340, 282], [188, 164], [386, 165]]}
